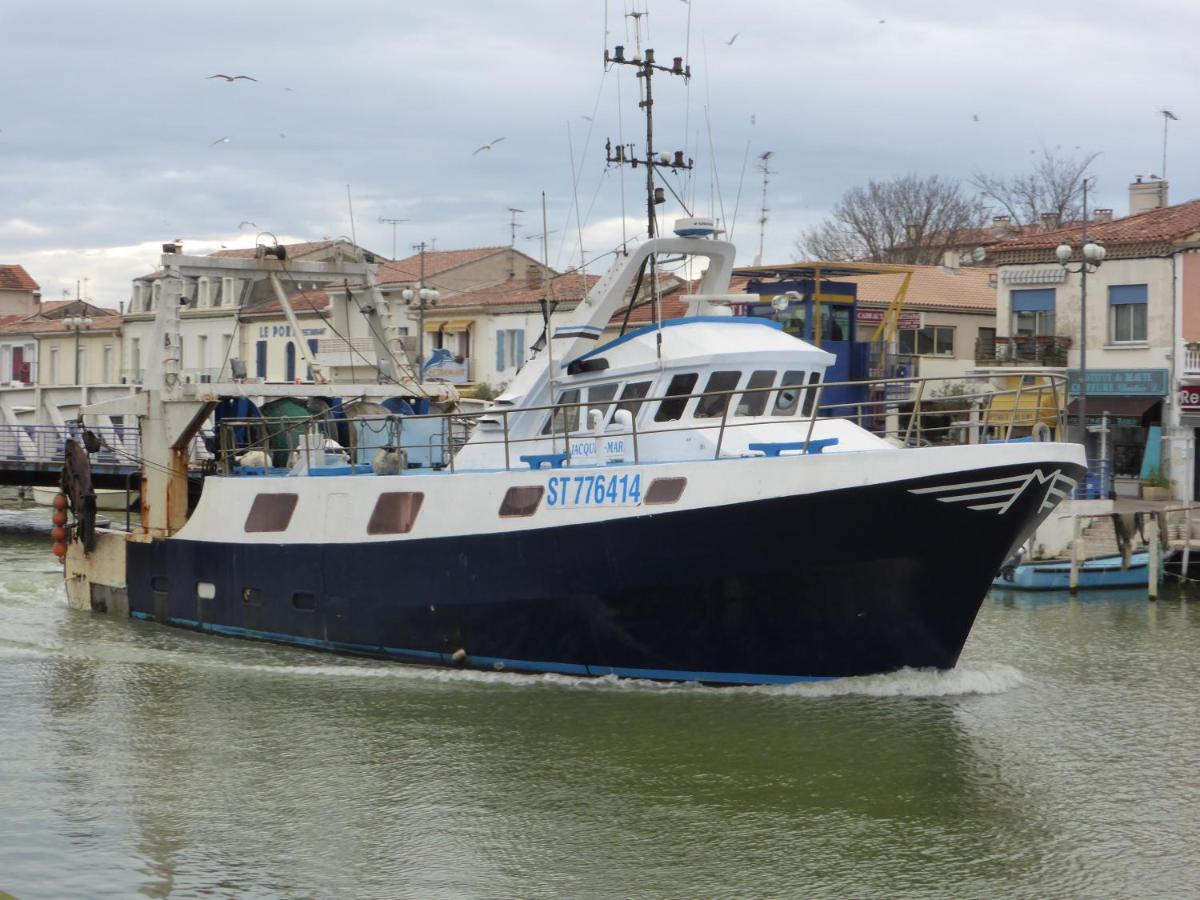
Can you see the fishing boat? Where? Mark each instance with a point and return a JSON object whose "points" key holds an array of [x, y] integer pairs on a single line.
{"points": [[1096, 572], [107, 499], [675, 502]]}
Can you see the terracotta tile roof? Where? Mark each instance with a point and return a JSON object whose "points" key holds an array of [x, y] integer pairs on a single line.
{"points": [[1169, 223], [15, 278], [302, 302], [932, 287], [36, 325], [570, 287], [436, 262], [4, 320], [54, 309]]}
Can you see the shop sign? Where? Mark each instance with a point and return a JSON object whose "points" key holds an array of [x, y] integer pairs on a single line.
{"points": [[1120, 382], [909, 321], [1189, 399]]}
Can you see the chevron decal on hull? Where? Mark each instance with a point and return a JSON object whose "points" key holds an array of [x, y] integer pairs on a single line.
{"points": [[1000, 494]]}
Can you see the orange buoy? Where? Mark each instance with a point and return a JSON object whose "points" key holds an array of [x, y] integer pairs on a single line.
{"points": [[60, 501], [59, 534], [59, 518], [60, 549]]}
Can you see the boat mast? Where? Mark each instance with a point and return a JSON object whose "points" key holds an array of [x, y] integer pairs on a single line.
{"points": [[646, 67]]}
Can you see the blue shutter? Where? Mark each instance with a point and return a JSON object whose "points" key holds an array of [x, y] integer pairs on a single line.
{"points": [[519, 347], [1124, 294], [1041, 300], [260, 358], [500, 337]]}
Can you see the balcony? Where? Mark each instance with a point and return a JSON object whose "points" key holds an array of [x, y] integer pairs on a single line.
{"points": [[1191, 360], [1032, 350]]}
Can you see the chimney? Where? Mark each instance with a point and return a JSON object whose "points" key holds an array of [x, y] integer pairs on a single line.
{"points": [[1001, 225], [1148, 194], [1101, 215], [1049, 221], [533, 276]]}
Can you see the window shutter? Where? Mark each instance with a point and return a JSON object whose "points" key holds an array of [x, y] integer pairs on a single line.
{"points": [[519, 347], [501, 336]]}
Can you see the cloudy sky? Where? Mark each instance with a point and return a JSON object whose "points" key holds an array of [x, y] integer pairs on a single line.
{"points": [[108, 119]]}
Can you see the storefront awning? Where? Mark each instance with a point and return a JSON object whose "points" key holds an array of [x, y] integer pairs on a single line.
{"points": [[1122, 407], [433, 326], [458, 325]]}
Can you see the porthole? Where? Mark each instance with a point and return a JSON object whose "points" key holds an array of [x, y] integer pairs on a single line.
{"points": [[665, 490], [521, 501]]}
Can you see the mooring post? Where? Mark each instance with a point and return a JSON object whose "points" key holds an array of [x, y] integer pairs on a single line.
{"points": [[1155, 553], [1076, 541], [1187, 541]]}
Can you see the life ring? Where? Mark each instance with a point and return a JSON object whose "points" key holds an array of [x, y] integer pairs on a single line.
{"points": [[1042, 433]]}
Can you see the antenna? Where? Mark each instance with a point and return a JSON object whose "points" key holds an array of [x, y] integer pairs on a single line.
{"points": [[512, 240], [1168, 117], [393, 222], [764, 166], [643, 61], [350, 203]]}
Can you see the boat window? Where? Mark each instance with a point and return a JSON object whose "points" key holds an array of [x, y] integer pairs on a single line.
{"points": [[395, 512], [710, 405], [810, 396], [788, 398], [755, 404], [252, 596], [271, 512], [631, 397], [159, 583], [521, 501], [678, 393], [304, 601], [599, 396], [566, 417], [665, 490]]}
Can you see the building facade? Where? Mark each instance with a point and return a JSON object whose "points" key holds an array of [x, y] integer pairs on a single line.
{"points": [[1143, 308]]}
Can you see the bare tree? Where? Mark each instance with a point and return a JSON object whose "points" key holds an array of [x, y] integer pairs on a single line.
{"points": [[910, 219], [1055, 185]]}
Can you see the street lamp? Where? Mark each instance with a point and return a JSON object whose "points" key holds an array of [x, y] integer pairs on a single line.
{"points": [[425, 297], [77, 324], [1091, 255]]}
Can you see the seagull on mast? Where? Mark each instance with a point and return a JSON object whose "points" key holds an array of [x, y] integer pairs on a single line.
{"points": [[488, 146]]}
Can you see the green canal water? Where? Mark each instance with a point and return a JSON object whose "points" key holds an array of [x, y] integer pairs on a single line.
{"points": [[1061, 759]]}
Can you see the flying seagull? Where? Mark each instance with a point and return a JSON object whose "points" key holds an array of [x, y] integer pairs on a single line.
{"points": [[220, 140], [975, 117], [729, 43], [232, 78], [494, 142], [244, 222]]}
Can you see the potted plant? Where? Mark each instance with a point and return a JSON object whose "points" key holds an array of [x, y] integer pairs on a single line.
{"points": [[1156, 486]]}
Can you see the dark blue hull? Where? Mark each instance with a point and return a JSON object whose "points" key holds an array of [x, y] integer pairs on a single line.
{"points": [[849, 582]]}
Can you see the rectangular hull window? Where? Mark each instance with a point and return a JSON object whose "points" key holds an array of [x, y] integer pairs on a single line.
{"points": [[665, 490], [305, 602], [521, 501], [395, 512], [271, 512]]}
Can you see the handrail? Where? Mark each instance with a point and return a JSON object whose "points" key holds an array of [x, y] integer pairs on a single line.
{"points": [[957, 408]]}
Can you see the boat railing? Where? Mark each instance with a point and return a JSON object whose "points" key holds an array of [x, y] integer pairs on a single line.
{"points": [[934, 411]]}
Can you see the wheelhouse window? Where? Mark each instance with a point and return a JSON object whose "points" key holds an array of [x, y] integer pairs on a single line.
{"points": [[810, 396], [600, 396], [271, 512], [1127, 312], [712, 405], [566, 417], [754, 404], [787, 401], [631, 397], [678, 393], [1032, 313]]}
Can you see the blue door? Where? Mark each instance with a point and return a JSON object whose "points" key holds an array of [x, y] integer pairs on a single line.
{"points": [[260, 359], [290, 362]]}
